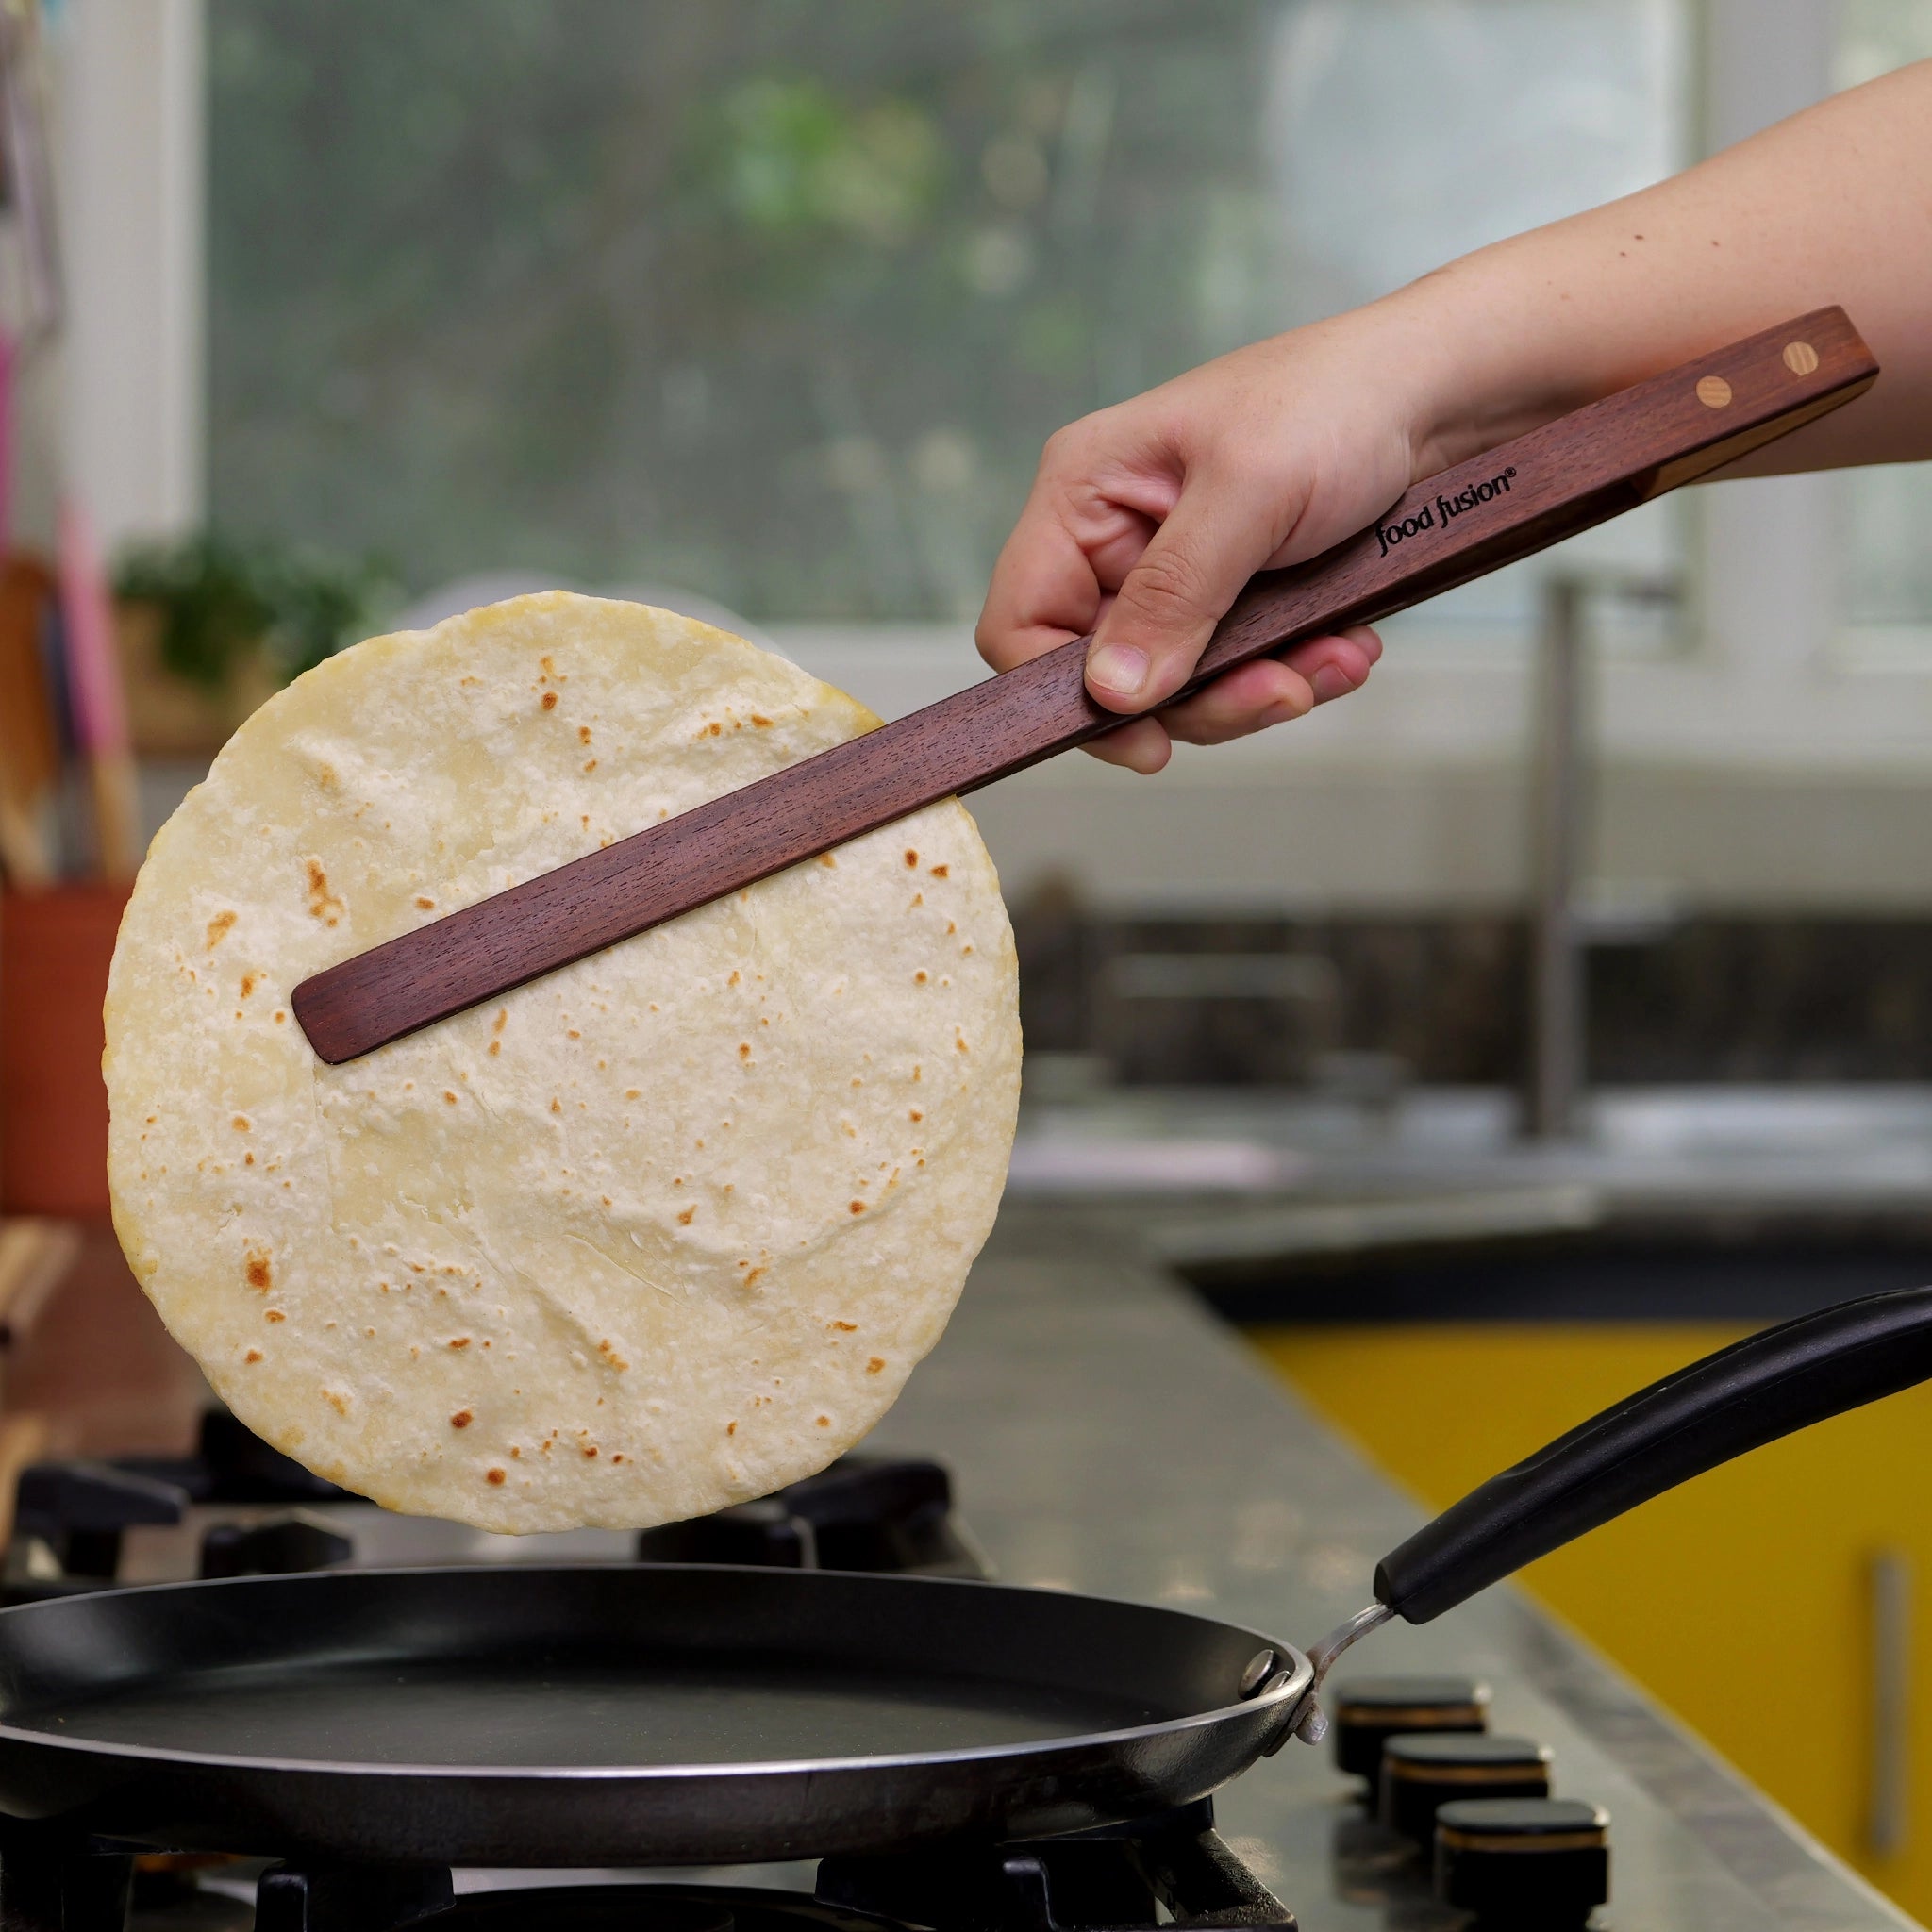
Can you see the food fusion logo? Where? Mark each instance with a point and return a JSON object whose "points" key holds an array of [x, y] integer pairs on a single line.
{"points": [[1444, 510]]}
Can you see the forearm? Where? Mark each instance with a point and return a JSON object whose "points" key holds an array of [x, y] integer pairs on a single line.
{"points": [[1834, 205]]}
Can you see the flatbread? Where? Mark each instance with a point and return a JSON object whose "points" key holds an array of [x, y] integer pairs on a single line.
{"points": [[659, 1233]]}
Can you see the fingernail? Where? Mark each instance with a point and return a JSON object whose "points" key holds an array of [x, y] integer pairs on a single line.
{"points": [[1331, 681], [1117, 667]]}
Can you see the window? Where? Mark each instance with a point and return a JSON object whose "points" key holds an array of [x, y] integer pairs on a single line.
{"points": [[775, 301], [1886, 513]]}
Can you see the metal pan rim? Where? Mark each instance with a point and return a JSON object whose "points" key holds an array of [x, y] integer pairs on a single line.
{"points": [[1289, 1690]]}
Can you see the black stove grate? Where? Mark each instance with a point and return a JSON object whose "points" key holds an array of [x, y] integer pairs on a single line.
{"points": [[892, 1515], [1119, 1880]]}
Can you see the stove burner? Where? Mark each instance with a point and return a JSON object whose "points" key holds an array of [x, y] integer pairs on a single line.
{"points": [[1124, 1879], [629, 1908], [77, 1511], [293, 1902], [1114, 1880], [71, 1518], [862, 1513]]}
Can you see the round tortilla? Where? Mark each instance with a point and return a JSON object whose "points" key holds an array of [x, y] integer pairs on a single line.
{"points": [[655, 1234]]}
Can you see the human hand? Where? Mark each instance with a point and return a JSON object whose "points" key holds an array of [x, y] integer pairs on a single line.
{"points": [[1146, 519]]}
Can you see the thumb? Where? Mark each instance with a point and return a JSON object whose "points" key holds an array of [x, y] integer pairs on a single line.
{"points": [[1192, 569]]}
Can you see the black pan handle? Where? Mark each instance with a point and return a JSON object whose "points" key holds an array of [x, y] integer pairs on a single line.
{"points": [[1740, 1398]]}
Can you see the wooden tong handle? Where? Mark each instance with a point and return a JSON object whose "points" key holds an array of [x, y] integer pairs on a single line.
{"points": [[1464, 522]]}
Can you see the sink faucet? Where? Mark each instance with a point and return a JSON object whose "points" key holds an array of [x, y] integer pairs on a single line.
{"points": [[1559, 809]]}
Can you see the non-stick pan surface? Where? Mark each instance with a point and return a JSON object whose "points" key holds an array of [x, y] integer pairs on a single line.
{"points": [[649, 1714]]}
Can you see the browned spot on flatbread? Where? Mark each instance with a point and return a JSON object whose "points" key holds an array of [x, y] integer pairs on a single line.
{"points": [[254, 1355], [876, 1363], [259, 1270], [846, 1328], [550, 701], [461, 1420], [323, 904], [494, 1476], [219, 928]]}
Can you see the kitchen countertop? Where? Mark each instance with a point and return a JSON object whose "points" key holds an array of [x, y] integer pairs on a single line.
{"points": [[1109, 1434], [1832, 1151]]}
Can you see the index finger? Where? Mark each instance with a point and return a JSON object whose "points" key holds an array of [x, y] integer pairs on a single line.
{"points": [[1054, 574]]}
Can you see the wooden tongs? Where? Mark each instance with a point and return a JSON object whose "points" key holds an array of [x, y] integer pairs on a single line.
{"points": [[1573, 473]]}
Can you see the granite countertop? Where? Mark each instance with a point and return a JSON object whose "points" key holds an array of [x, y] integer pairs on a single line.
{"points": [[1109, 1434]]}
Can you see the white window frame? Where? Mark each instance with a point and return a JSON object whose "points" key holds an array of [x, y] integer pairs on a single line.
{"points": [[130, 112]]}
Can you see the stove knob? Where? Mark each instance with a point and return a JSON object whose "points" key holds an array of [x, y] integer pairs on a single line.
{"points": [[1541, 1863], [1423, 1772], [1368, 1710]]}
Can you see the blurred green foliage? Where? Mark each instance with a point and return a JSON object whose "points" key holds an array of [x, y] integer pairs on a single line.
{"points": [[775, 299], [222, 601], [793, 159]]}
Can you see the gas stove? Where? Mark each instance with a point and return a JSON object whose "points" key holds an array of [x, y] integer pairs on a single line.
{"points": [[1447, 1819]]}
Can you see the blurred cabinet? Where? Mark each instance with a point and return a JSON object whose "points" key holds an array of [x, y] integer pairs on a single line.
{"points": [[1781, 1607], [55, 949]]}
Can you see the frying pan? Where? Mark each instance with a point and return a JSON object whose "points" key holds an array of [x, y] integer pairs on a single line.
{"points": [[670, 1714]]}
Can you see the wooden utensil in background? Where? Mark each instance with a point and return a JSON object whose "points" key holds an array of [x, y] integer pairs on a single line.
{"points": [[29, 745], [99, 703], [1506, 504]]}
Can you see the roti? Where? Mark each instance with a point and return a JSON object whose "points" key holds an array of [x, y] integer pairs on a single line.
{"points": [[661, 1232]]}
